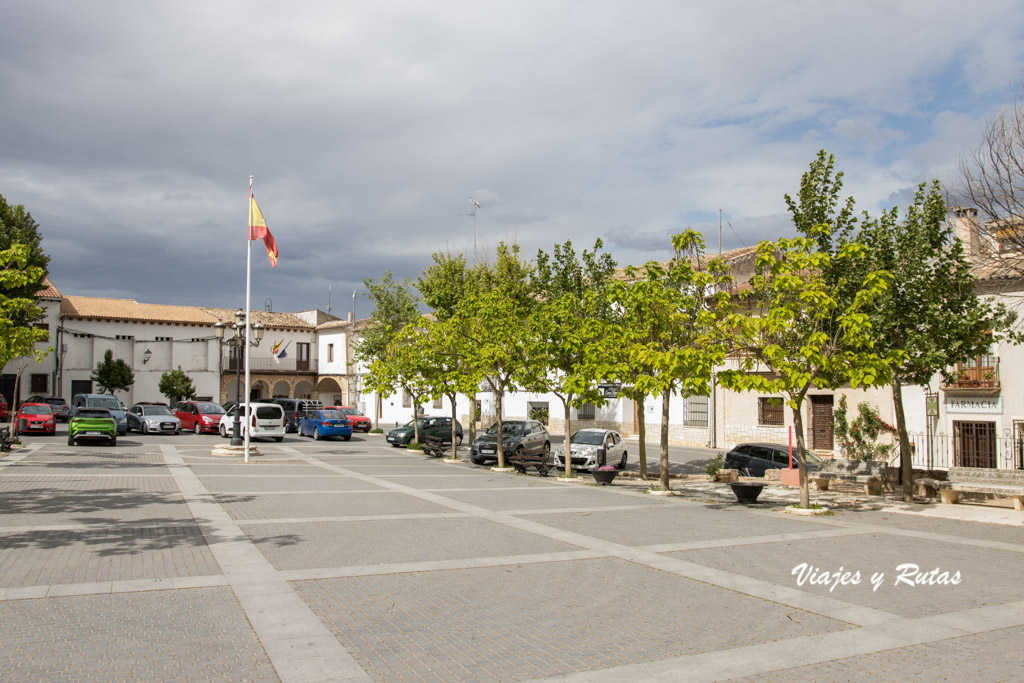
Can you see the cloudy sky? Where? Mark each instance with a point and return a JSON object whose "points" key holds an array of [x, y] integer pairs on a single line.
{"points": [[130, 129]]}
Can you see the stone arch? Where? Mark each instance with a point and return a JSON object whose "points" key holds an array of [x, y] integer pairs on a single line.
{"points": [[330, 392], [303, 389], [258, 390], [282, 389]]}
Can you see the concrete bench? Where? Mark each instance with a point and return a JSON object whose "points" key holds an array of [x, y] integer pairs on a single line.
{"points": [[871, 473], [1000, 483]]}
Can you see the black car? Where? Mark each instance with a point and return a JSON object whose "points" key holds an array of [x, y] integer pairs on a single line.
{"points": [[427, 426], [528, 436], [294, 410], [752, 459]]}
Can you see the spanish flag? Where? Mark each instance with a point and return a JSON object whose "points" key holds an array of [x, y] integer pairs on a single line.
{"points": [[258, 228]]}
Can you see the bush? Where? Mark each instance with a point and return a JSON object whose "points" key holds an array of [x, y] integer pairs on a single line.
{"points": [[376, 430], [413, 446], [715, 464]]}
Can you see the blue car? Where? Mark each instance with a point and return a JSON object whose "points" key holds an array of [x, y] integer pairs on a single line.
{"points": [[321, 424]]}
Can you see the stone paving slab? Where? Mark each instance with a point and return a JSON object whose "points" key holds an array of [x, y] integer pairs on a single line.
{"points": [[333, 544], [673, 523], [362, 503], [244, 483], [949, 527], [261, 469], [987, 576], [532, 621], [554, 497], [198, 634], [41, 508], [458, 480], [35, 558], [88, 457], [113, 483], [990, 656]]}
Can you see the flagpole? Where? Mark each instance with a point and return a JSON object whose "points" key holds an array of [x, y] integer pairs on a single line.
{"points": [[248, 286]]}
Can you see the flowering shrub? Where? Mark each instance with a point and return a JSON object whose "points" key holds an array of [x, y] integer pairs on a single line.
{"points": [[606, 468], [859, 440]]}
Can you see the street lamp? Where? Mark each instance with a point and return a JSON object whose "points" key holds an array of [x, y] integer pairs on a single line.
{"points": [[237, 341]]}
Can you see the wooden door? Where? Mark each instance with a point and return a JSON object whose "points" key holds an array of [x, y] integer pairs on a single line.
{"points": [[822, 432]]}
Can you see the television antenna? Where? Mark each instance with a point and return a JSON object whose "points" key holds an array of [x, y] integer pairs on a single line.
{"points": [[473, 212]]}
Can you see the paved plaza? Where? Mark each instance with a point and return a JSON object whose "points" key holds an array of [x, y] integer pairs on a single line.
{"points": [[333, 561]]}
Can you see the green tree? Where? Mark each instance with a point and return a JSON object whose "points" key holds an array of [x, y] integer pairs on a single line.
{"points": [[17, 336], [569, 294], [394, 309], [930, 312], [112, 374], [17, 227], [403, 367], [176, 385], [446, 355], [671, 332], [798, 331]]}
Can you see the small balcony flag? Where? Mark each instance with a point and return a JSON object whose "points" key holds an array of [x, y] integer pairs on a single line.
{"points": [[258, 228]]}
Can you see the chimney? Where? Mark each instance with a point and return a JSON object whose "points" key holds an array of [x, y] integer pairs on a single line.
{"points": [[967, 228], [351, 316]]}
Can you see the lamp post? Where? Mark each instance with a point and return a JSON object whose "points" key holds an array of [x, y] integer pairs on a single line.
{"points": [[237, 341]]}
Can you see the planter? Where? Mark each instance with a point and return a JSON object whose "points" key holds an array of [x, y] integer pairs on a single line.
{"points": [[746, 493], [604, 477]]}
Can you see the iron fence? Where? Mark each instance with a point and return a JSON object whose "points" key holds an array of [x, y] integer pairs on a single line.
{"points": [[964, 449]]}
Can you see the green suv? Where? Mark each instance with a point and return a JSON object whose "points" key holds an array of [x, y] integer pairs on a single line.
{"points": [[92, 424]]}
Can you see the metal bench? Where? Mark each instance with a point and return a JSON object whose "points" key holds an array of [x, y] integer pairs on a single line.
{"points": [[871, 473], [1001, 483], [5, 439], [435, 446]]}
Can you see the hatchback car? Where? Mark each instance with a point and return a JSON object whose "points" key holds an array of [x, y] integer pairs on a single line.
{"points": [[104, 401], [152, 418], [321, 424], [360, 422], [92, 424], [593, 448], [529, 436], [199, 416], [266, 421], [427, 426], [61, 410], [753, 459], [35, 418]]}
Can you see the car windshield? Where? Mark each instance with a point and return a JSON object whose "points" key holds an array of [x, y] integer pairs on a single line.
{"points": [[811, 458], [108, 402], [37, 410], [210, 409], [589, 437], [56, 402], [350, 411], [331, 414], [507, 428], [93, 413], [155, 410]]}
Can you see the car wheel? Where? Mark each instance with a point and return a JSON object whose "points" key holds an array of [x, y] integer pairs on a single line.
{"points": [[396, 445], [223, 432], [113, 440], [622, 463], [279, 439], [197, 428], [458, 440], [316, 434], [477, 461], [71, 440], [145, 428], [347, 437]]}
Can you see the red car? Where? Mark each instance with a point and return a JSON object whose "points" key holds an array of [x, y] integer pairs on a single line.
{"points": [[199, 416], [35, 418], [359, 421], [3, 408]]}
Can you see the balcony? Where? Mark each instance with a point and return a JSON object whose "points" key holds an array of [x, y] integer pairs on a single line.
{"points": [[285, 366], [979, 379]]}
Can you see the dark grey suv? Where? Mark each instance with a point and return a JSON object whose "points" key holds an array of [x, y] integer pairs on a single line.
{"points": [[752, 459], [528, 436]]}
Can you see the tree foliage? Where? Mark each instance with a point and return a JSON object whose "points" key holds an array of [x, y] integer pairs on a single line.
{"points": [[176, 385], [17, 336], [17, 227], [112, 374]]}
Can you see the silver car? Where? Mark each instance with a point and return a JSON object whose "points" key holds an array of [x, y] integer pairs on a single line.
{"points": [[152, 418], [593, 448]]}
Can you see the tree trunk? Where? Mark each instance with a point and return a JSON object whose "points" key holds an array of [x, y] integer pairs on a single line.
{"points": [[500, 446], [568, 435], [641, 428], [906, 457], [666, 396], [472, 417], [798, 427], [455, 422]]}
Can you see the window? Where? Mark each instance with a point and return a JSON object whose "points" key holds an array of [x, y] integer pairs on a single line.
{"points": [[302, 359], [39, 383], [587, 411], [437, 402], [696, 411], [770, 411], [330, 353], [164, 339], [124, 337]]}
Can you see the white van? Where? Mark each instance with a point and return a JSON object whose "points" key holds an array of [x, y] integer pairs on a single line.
{"points": [[266, 421]]}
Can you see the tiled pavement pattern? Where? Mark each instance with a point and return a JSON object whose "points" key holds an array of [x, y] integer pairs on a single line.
{"points": [[354, 561]]}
